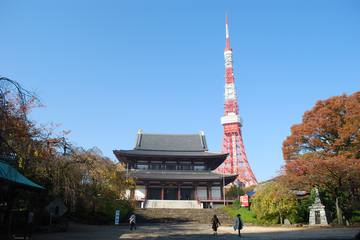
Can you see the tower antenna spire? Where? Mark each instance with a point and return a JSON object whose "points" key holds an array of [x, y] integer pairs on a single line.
{"points": [[227, 32]]}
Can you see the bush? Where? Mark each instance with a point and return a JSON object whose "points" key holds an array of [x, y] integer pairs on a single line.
{"points": [[355, 216], [246, 215], [104, 213]]}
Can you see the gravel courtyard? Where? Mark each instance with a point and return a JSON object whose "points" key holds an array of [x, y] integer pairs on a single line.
{"points": [[194, 231]]}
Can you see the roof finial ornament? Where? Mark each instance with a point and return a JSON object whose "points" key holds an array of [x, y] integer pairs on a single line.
{"points": [[138, 138]]}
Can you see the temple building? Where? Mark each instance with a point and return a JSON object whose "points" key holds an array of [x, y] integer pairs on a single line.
{"points": [[173, 170]]}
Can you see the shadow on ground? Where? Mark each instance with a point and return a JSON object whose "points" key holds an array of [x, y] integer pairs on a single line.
{"points": [[192, 231], [199, 232], [234, 236], [144, 219]]}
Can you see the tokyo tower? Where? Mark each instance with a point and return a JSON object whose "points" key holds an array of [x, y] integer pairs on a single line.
{"points": [[236, 162]]}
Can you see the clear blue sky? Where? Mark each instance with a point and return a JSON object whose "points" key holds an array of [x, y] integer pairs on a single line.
{"points": [[104, 69]]}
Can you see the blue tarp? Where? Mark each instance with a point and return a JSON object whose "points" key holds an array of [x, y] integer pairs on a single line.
{"points": [[251, 193], [10, 174]]}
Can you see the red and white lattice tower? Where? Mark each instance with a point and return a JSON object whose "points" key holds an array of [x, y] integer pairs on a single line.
{"points": [[236, 162]]}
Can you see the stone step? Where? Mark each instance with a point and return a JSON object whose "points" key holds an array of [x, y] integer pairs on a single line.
{"points": [[173, 204], [162, 215]]}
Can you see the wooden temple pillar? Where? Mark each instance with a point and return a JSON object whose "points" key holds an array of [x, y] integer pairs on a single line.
{"points": [[208, 191], [162, 191], [146, 190], [195, 191], [132, 194], [178, 192], [222, 191]]}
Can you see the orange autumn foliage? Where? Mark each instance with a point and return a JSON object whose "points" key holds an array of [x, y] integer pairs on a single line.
{"points": [[324, 151], [331, 128]]}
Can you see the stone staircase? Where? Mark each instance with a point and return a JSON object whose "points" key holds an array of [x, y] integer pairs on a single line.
{"points": [[172, 204], [166, 215]]}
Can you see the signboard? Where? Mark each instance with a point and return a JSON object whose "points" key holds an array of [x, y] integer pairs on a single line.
{"points": [[117, 217], [56, 208], [244, 200]]}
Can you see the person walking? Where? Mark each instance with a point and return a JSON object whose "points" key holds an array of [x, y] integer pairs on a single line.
{"points": [[132, 221], [29, 224], [215, 223], [238, 224]]}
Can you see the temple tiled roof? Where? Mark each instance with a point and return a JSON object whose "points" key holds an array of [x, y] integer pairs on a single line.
{"points": [[171, 142], [134, 153], [170, 146]]}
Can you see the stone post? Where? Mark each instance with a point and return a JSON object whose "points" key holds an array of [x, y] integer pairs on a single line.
{"points": [[317, 214]]}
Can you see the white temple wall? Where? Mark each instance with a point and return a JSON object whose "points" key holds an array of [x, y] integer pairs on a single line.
{"points": [[140, 193], [201, 193], [216, 193]]}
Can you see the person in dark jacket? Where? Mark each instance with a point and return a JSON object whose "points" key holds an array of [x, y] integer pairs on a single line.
{"points": [[215, 223], [238, 224], [29, 224]]}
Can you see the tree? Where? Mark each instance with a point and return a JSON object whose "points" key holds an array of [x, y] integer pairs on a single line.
{"points": [[14, 105], [234, 192], [82, 178], [324, 151], [273, 202]]}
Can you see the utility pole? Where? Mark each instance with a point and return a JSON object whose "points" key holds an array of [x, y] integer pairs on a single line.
{"points": [[224, 189]]}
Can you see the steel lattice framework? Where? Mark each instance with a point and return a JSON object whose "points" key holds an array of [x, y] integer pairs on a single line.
{"points": [[236, 162]]}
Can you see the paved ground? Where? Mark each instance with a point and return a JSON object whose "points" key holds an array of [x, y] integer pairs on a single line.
{"points": [[195, 231]]}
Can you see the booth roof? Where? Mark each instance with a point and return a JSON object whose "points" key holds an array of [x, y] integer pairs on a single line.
{"points": [[10, 174]]}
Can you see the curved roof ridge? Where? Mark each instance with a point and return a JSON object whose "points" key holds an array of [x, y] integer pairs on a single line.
{"points": [[172, 134]]}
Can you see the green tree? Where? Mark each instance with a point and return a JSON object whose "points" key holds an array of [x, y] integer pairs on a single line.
{"points": [[234, 192], [273, 202]]}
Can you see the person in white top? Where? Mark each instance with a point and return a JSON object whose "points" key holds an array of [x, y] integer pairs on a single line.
{"points": [[132, 221]]}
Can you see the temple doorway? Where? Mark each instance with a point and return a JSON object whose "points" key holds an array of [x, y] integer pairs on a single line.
{"points": [[187, 194], [154, 193], [170, 193]]}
